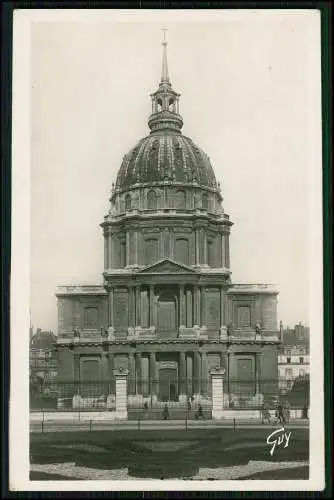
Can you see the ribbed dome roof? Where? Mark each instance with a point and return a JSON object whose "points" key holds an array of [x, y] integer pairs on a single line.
{"points": [[166, 156]]}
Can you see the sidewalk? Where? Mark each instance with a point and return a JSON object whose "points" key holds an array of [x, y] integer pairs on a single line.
{"points": [[81, 425]]}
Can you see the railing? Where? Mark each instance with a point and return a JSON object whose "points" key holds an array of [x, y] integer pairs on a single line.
{"points": [[178, 393]]}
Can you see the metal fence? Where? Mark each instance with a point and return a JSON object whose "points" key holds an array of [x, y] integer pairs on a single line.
{"points": [[150, 398]]}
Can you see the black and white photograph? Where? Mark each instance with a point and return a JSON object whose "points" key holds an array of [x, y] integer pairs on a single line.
{"points": [[166, 318]]}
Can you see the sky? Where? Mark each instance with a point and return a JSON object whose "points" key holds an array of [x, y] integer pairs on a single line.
{"points": [[246, 100]]}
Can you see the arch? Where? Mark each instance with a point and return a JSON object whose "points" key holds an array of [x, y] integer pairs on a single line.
{"points": [[182, 250], [171, 104], [159, 105], [180, 199], [151, 200], [128, 202]]}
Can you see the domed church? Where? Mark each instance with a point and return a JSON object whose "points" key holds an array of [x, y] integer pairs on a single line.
{"points": [[167, 310]]}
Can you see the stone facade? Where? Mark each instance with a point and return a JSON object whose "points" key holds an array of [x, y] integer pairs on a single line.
{"points": [[167, 311]]}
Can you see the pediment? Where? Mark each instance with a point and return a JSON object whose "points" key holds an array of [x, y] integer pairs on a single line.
{"points": [[167, 266]]}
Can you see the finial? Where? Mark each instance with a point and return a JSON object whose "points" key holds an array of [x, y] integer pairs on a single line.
{"points": [[164, 75]]}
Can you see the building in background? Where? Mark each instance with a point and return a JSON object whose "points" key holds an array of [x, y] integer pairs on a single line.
{"points": [[167, 310], [294, 356], [43, 361]]}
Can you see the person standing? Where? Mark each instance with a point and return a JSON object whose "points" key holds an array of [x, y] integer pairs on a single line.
{"points": [[165, 412]]}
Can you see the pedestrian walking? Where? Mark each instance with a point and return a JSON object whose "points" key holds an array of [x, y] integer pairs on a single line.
{"points": [[166, 412], [280, 414], [265, 413]]}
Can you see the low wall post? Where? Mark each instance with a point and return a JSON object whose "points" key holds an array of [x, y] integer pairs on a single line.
{"points": [[121, 376], [217, 378]]}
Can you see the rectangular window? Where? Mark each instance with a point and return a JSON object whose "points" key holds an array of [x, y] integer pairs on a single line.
{"points": [[288, 373], [288, 360], [90, 318], [244, 317], [301, 360]]}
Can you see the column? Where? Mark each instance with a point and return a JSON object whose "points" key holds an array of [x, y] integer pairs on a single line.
{"points": [[182, 306], [257, 372], [205, 248], [203, 306], [132, 306], [197, 303], [111, 257], [138, 306], [197, 372], [204, 373], [76, 400], [106, 238], [189, 308], [222, 306], [135, 248], [222, 356], [197, 244], [227, 373], [111, 368], [121, 394], [222, 250], [217, 394], [111, 306], [151, 305], [128, 247], [76, 367], [171, 243], [182, 375], [227, 250], [153, 374], [138, 373], [165, 240], [104, 361], [132, 374]]}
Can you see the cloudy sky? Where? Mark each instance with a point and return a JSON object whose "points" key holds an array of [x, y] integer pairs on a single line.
{"points": [[247, 100]]}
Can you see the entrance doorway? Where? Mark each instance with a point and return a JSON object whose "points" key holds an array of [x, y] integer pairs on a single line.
{"points": [[167, 312], [168, 384]]}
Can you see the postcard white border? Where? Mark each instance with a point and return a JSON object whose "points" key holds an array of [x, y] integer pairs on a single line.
{"points": [[20, 266]]}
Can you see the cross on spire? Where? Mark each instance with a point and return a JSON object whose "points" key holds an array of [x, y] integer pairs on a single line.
{"points": [[164, 29]]}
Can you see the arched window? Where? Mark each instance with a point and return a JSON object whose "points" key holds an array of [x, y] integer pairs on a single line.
{"points": [[205, 201], [151, 200], [171, 105], [128, 202], [159, 105], [180, 199]]}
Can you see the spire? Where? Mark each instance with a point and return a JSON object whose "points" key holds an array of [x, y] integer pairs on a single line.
{"points": [[164, 74], [165, 101]]}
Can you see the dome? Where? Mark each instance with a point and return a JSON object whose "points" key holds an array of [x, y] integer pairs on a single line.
{"points": [[166, 156]]}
